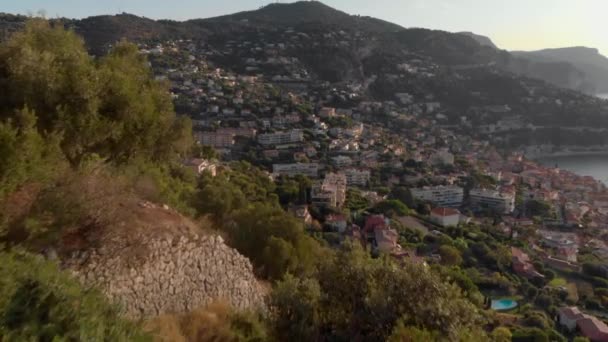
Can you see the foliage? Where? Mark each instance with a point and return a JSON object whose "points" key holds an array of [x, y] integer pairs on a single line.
{"points": [[403, 333], [450, 256], [404, 195], [273, 240], [216, 322], [23, 151], [538, 208], [355, 200], [529, 335], [363, 299], [391, 208], [501, 334], [39, 302], [112, 107]]}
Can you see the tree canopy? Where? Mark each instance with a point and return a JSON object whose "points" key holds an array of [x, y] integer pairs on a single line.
{"points": [[110, 107]]}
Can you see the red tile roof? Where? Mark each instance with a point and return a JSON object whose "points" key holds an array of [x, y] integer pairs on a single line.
{"points": [[445, 212], [593, 328]]}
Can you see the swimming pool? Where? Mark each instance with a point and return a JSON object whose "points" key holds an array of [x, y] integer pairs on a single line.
{"points": [[503, 304]]}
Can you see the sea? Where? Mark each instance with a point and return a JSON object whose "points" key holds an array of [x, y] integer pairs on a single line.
{"points": [[595, 165]]}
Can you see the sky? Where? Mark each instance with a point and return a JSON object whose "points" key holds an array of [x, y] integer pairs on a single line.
{"points": [[512, 25]]}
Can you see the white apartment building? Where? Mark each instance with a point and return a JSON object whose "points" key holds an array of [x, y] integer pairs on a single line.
{"points": [[342, 161], [281, 138], [217, 140], [291, 170], [442, 196], [492, 199], [357, 177], [331, 191]]}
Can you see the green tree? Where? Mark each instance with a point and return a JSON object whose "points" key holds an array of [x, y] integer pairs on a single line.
{"points": [[111, 108], [295, 309], [501, 334], [402, 333], [25, 154], [404, 195], [391, 208], [450, 256], [38, 302], [364, 298]]}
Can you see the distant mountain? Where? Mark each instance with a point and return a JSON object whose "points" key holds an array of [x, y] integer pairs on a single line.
{"points": [[483, 40], [379, 41], [302, 13], [588, 60]]}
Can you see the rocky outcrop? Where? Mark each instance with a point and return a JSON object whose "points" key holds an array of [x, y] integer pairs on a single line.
{"points": [[171, 271]]}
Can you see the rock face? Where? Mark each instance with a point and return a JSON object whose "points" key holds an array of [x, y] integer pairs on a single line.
{"points": [[165, 271], [179, 275]]}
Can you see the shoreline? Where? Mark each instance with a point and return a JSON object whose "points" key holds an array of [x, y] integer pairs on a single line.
{"points": [[558, 154]]}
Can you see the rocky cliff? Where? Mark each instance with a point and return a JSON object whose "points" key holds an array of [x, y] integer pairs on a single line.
{"points": [[166, 269]]}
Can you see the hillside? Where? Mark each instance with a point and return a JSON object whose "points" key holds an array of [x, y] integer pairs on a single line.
{"points": [[303, 13], [587, 60], [483, 40], [334, 64]]}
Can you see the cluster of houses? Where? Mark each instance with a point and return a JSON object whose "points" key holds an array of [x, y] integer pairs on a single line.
{"points": [[269, 109]]}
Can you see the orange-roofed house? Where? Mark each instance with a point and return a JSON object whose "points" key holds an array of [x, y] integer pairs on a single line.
{"points": [[522, 264], [445, 217]]}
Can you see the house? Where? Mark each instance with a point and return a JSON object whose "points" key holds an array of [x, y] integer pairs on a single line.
{"points": [[592, 328], [589, 326], [386, 240], [327, 112], [301, 212], [378, 234], [331, 191], [445, 217], [569, 316], [522, 264]]}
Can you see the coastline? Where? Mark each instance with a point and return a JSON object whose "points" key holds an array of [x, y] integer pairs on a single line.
{"points": [[540, 156]]}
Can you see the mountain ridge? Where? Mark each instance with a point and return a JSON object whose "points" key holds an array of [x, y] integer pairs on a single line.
{"points": [[100, 32], [588, 60]]}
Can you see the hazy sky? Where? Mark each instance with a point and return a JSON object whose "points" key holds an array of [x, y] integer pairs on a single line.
{"points": [[514, 24]]}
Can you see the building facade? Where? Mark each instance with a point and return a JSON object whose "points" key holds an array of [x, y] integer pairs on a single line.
{"points": [[331, 191], [492, 199], [442, 196], [357, 177], [291, 170], [281, 138]]}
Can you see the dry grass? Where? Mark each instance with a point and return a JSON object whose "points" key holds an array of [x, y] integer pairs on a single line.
{"points": [[210, 324]]}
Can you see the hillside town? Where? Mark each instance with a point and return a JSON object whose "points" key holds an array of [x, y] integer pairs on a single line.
{"points": [[298, 173], [272, 113]]}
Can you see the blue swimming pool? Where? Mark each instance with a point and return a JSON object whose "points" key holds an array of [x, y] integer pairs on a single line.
{"points": [[503, 304]]}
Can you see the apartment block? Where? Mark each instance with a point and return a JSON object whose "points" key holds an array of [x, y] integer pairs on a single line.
{"points": [[492, 199], [441, 196]]}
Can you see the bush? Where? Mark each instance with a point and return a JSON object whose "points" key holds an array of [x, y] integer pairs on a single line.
{"points": [[216, 322], [39, 302]]}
